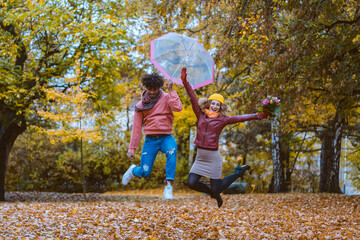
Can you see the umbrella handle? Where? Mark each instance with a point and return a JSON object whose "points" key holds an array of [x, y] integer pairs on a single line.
{"points": [[169, 84]]}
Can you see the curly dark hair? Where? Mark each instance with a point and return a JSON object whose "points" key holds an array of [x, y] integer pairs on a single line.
{"points": [[152, 81]]}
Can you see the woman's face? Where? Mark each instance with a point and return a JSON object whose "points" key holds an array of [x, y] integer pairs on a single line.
{"points": [[215, 106]]}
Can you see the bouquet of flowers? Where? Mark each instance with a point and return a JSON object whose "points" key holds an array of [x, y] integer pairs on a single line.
{"points": [[269, 105]]}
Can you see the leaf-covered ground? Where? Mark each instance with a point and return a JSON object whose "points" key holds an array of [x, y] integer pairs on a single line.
{"points": [[130, 215]]}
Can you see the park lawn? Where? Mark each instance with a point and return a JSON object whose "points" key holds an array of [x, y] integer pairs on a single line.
{"points": [[146, 215]]}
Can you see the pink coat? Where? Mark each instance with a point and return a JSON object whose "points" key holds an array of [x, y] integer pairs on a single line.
{"points": [[157, 120]]}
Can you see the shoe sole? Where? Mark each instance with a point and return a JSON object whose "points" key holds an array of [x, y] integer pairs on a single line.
{"points": [[130, 169]]}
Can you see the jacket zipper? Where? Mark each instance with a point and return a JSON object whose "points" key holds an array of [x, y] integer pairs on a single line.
{"points": [[207, 124]]}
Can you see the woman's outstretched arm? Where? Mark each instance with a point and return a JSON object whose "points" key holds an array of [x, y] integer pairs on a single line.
{"points": [[246, 117], [190, 91]]}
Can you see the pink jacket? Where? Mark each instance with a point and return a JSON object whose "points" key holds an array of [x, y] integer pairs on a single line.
{"points": [[157, 120]]}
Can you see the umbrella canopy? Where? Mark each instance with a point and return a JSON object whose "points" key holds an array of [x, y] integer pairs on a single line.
{"points": [[171, 52]]}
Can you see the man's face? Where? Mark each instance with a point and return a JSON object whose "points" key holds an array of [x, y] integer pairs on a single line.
{"points": [[153, 92]]}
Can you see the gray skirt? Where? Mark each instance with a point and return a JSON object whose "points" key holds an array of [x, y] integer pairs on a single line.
{"points": [[207, 164]]}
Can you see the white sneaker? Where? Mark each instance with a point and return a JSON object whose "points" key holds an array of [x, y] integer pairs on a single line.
{"points": [[128, 175], [168, 192]]}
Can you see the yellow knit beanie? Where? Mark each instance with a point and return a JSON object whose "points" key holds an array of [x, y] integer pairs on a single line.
{"points": [[218, 97]]}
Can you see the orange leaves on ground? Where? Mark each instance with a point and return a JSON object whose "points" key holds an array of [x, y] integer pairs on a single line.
{"points": [[250, 216]]}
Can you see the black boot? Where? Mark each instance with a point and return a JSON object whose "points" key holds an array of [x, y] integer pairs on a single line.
{"points": [[241, 170], [218, 198]]}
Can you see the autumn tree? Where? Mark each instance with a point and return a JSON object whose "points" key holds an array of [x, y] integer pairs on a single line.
{"points": [[41, 43], [316, 49]]}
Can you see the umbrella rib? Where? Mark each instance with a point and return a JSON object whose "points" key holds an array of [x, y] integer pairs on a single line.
{"points": [[186, 51], [176, 51]]}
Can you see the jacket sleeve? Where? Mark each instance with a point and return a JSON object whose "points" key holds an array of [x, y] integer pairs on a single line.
{"points": [[193, 99], [174, 102], [242, 118], [136, 132]]}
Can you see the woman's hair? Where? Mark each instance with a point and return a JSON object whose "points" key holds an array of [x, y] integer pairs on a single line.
{"points": [[204, 103], [152, 81]]}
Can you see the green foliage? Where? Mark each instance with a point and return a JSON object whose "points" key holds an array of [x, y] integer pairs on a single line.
{"points": [[33, 163], [305, 176], [303, 163], [38, 164]]}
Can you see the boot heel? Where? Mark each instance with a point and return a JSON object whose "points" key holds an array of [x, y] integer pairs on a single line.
{"points": [[241, 170]]}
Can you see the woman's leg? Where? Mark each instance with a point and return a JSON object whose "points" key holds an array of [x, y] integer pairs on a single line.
{"points": [[194, 183], [215, 183], [219, 185]]}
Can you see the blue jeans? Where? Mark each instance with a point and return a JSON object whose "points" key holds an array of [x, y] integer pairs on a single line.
{"points": [[152, 145]]}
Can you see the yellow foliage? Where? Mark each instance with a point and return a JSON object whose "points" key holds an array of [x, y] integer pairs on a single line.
{"points": [[70, 109], [184, 120], [356, 39]]}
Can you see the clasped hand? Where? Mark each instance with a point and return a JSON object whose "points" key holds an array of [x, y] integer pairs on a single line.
{"points": [[169, 84], [131, 155]]}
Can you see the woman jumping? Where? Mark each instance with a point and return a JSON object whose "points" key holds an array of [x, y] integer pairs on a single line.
{"points": [[211, 117]]}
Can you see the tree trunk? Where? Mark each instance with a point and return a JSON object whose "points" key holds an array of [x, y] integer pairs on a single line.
{"points": [[330, 155], [244, 157], [279, 156], [8, 135], [285, 158]]}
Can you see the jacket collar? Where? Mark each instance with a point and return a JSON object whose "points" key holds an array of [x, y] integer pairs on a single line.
{"points": [[211, 114]]}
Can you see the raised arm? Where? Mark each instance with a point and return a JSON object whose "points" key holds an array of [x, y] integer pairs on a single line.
{"points": [[246, 117], [174, 102], [190, 91]]}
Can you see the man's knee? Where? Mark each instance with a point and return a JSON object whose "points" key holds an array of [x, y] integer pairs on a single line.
{"points": [[145, 170], [171, 151]]}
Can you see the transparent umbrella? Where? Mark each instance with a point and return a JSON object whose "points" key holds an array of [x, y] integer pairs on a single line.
{"points": [[171, 52]]}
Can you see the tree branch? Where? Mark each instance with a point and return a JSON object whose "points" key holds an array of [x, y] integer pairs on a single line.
{"points": [[228, 83], [21, 57], [328, 27]]}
